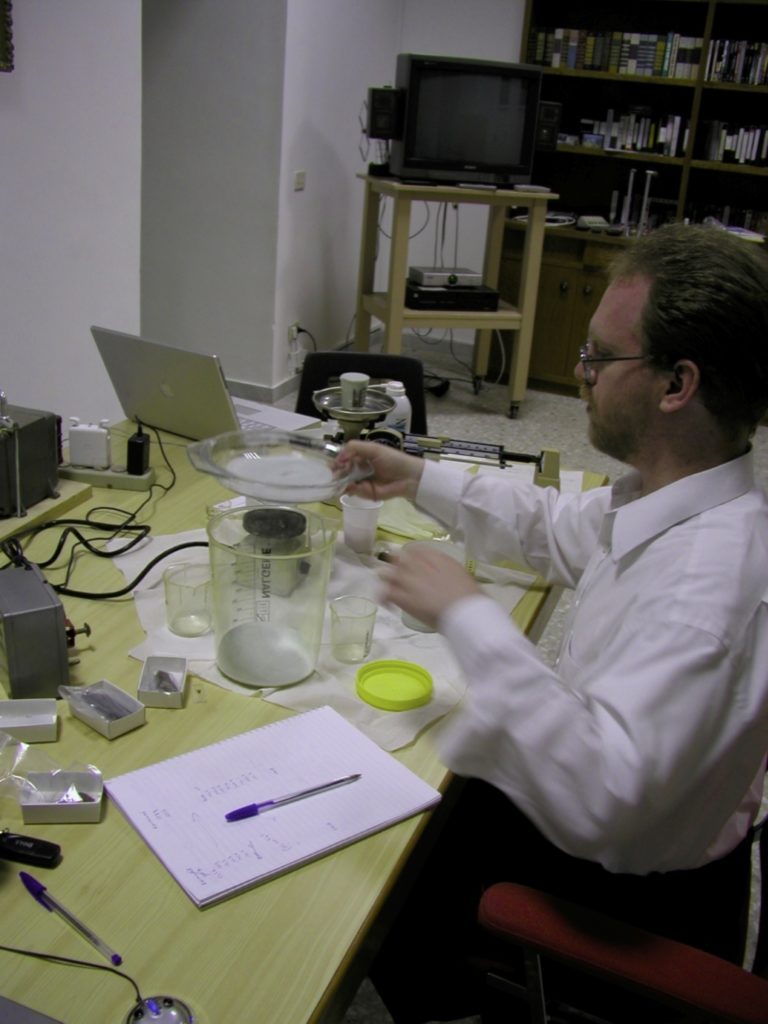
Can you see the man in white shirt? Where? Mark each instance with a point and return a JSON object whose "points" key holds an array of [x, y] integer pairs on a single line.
{"points": [[627, 776]]}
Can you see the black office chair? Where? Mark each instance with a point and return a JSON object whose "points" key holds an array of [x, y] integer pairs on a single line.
{"points": [[323, 369]]}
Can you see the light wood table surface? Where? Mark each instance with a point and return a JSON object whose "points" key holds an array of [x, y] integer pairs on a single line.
{"points": [[288, 951]]}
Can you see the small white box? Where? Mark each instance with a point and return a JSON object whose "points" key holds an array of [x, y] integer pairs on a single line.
{"points": [[163, 682], [105, 707], [32, 721], [62, 797]]}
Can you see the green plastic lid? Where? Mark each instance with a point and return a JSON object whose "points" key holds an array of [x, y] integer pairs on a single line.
{"points": [[394, 685]]}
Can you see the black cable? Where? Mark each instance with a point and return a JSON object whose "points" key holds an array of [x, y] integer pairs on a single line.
{"points": [[70, 962], [14, 552], [61, 589], [12, 549], [309, 334]]}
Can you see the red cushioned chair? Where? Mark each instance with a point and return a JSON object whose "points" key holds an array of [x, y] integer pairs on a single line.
{"points": [[553, 932], [590, 949]]}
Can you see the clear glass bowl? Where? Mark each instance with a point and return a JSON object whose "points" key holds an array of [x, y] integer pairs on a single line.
{"points": [[276, 465]]}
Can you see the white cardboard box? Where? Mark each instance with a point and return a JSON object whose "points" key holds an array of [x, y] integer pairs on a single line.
{"points": [[50, 797], [105, 707], [163, 682], [32, 721]]}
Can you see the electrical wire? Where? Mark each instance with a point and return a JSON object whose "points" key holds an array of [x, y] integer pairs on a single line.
{"points": [[418, 231], [502, 356], [13, 549], [132, 585], [67, 961], [309, 334]]}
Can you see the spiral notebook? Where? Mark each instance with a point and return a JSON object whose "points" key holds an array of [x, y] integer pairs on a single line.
{"points": [[178, 806]]}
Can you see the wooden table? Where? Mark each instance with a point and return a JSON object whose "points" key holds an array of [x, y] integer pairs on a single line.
{"points": [[289, 951], [389, 306]]}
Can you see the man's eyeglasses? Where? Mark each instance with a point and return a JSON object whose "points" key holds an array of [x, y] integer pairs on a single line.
{"points": [[587, 360]]}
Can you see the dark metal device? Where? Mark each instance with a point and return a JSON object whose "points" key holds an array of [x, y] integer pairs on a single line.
{"points": [[29, 457], [33, 634]]}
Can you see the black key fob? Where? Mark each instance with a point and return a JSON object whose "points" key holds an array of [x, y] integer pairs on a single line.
{"points": [[27, 850]]}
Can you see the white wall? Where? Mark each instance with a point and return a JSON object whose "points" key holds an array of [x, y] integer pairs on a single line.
{"points": [[484, 29], [324, 94], [212, 113], [324, 97], [237, 254], [69, 199]]}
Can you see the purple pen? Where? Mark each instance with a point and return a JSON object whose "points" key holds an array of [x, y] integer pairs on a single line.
{"points": [[251, 810], [45, 899]]}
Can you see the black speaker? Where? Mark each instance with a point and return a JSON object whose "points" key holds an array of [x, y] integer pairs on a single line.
{"points": [[385, 113], [548, 124]]}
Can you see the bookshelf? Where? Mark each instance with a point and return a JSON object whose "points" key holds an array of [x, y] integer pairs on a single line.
{"points": [[664, 97], [677, 88]]}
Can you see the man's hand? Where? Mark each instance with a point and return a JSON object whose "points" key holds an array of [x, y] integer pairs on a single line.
{"points": [[395, 474], [424, 582]]}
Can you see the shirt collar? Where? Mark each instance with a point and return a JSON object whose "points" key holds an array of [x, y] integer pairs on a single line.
{"points": [[635, 520]]}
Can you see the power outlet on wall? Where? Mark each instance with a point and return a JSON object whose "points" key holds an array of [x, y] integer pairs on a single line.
{"points": [[295, 349]]}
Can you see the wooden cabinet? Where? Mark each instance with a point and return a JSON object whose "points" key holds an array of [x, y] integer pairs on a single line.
{"points": [[571, 283], [568, 296]]}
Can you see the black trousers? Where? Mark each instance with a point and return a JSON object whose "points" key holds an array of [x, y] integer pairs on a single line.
{"points": [[427, 967]]}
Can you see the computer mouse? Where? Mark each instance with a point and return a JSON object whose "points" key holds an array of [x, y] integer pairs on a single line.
{"points": [[160, 1010]]}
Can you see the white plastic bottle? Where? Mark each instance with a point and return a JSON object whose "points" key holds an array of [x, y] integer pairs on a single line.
{"points": [[400, 417]]}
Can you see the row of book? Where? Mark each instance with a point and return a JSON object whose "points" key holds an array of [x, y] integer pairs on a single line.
{"points": [[749, 219], [737, 60], [639, 131], [736, 144], [666, 55], [650, 54]]}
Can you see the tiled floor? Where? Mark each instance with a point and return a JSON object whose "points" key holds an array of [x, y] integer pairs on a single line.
{"points": [[544, 421]]}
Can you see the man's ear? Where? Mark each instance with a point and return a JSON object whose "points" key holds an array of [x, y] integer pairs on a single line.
{"points": [[683, 383]]}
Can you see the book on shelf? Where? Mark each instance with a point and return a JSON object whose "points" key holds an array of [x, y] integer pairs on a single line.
{"points": [[740, 62], [179, 806], [639, 130], [647, 54], [558, 45], [740, 144]]}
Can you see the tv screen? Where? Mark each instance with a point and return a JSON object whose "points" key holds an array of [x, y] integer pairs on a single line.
{"points": [[465, 121]]}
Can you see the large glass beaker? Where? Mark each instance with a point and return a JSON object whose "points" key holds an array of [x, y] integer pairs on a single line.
{"points": [[270, 567]]}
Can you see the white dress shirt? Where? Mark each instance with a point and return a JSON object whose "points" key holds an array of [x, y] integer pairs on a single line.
{"points": [[644, 747]]}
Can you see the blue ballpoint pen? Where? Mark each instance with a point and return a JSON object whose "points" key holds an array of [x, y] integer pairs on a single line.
{"points": [[250, 810], [44, 898]]}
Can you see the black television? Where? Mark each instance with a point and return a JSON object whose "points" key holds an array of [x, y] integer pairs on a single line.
{"points": [[464, 121]]}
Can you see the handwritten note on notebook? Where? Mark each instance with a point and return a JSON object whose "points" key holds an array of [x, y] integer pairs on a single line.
{"points": [[178, 806]]}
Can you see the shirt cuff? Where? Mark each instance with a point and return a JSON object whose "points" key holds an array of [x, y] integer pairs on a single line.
{"points": [[440, 489], [478, 629]]}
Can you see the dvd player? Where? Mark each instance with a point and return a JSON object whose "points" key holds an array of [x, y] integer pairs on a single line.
{"points": [[480, 299], [434, 276]]}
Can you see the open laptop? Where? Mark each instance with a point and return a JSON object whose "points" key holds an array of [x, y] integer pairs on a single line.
{"points": [[180, 391]]}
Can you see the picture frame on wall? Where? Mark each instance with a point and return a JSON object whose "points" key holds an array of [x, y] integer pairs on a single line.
{"points": [[6, 36]]}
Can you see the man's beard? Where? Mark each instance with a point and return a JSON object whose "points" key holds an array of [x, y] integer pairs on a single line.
{"points": [[616, 436]]}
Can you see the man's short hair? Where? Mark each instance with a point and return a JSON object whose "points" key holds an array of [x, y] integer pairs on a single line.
{"points": [[708, 303]]}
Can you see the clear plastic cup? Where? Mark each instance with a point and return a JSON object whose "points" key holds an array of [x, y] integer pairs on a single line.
{"points": [[352, 622], [188, 598], [360, 517]]}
